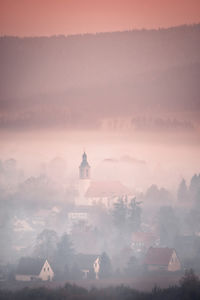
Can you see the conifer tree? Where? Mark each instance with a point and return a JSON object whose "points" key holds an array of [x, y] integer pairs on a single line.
{"points": [[182, 193], [105, 270]]}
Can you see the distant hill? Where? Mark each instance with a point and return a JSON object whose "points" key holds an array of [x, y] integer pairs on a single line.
{"points": [[110, 74]]}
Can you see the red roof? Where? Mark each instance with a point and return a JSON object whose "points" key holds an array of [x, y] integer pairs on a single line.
{"points": [[158, 256], [102, 189]]}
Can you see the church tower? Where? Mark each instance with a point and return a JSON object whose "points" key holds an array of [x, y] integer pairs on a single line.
{"points": [[84, 169], [84, 180]]}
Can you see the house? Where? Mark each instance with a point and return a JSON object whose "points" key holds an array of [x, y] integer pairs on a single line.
{"points": [[141, 241], [34, 269], [89, 264], [78, 215], [162, 259]]}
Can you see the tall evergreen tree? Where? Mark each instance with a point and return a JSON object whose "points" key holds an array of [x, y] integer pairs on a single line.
{"points": [[194, 189], [126, 218], [168, 225], [134, 215], [182, 194], [119, 214], [105, 270], [46, 244], [132, 266], [65, 252]]}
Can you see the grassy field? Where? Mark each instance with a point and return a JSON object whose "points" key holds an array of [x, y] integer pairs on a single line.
{"points": [[143, 282]]}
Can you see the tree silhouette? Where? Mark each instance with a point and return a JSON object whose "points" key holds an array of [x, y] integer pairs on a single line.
{"points": [[119, 214], [134, 215], [105, 270], [65, 252], [190, 286], [194, 189], [182, 194], [46, 244], [168, 225], [132, 266]]}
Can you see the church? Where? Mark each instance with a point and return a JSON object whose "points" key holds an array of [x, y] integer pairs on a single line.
{"points": [[101, 192]]}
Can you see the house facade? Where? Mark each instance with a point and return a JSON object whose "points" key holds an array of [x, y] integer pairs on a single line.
{"points": [[141, 241]]}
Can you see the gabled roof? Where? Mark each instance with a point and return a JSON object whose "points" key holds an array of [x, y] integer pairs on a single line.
{"points": [[30, 266], [100, 189], [158, 256], [85, 261]]}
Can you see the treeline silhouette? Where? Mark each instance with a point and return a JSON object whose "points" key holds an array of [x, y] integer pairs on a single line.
{"points": [[63, 76], [188, 289]]}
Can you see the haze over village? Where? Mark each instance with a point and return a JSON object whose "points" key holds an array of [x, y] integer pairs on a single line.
{"points": [[99, 152]]}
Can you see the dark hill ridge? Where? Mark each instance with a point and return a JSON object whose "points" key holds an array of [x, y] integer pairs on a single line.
{"points": [[90, 76]]}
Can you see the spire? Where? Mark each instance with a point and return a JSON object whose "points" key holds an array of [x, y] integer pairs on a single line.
{"points": [[84, 169], [84, 157]]}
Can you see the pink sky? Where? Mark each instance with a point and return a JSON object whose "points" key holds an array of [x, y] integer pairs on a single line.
{"points": [[49, 17], [29, 75]]}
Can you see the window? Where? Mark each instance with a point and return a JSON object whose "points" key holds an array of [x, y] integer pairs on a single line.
{"points": [[44, 269], [48, 269]]}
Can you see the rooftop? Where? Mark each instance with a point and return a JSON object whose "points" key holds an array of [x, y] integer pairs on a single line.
{"points": [[30, 266], [106, 189], [158, 256]]}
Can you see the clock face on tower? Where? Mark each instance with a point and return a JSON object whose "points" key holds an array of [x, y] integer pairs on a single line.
{"points": [[84, 169]]}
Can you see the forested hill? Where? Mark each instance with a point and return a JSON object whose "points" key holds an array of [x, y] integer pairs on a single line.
{"points": [[142, 68]]}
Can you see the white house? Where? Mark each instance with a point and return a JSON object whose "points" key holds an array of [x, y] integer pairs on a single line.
{"points": [[34, 269]]}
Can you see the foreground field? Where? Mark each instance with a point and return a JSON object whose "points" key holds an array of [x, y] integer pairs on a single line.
{"points": [[145, 282], [188, 288]]}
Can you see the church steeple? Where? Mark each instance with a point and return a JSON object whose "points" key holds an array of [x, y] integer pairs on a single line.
{"points": [[84, 169]]}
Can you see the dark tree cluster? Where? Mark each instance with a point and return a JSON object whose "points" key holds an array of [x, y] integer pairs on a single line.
{"points": [[127, 215]]}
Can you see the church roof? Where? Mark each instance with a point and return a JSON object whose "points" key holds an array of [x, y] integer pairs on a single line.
{"points": [[102, 189]]}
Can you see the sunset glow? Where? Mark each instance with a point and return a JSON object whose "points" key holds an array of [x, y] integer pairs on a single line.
{"points": [[51, 17]]}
